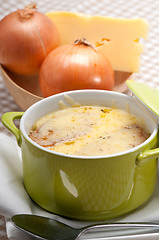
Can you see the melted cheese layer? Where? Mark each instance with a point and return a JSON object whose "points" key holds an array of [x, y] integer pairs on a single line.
{"points": [[89, 131]]}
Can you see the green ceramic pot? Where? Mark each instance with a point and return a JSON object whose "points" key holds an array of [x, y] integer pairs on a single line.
{"points": [[86, 188]]}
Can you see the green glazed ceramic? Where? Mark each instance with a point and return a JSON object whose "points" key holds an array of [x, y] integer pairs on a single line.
{"points": [[146, 96], [87, 188]]}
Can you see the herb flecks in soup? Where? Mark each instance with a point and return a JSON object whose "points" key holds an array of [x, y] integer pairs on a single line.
{"points": [[89, 131]]}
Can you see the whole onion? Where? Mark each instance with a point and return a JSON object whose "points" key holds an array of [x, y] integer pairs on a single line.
{"points": [[75, 66], [26, 38]]}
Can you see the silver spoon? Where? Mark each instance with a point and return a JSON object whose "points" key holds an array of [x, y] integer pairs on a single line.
{"points": [[50, 229]]}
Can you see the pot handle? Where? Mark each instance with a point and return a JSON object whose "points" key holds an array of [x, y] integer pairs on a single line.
{"points": [[8, 121], [147, 156]]}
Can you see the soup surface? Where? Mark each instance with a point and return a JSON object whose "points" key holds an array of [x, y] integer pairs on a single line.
{"points": [[89, 131]]}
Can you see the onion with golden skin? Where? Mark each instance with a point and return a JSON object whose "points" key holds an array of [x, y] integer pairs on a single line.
{"points": [[26, 38], [75, 66]]}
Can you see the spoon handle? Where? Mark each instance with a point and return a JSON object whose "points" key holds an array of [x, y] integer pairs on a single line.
{"points": [[123, 228], [51, 229]]}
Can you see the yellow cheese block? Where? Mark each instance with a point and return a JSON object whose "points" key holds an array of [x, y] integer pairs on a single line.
{"points": [[117, 38]]}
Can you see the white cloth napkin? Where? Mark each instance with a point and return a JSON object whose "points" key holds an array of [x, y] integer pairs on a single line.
{"points": [[14, 199]]}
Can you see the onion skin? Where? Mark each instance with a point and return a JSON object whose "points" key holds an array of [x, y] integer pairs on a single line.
{"points": [[72, 67], [25, 42]]}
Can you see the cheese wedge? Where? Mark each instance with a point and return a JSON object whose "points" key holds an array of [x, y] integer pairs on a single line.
{"points": [[117, 38]]}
